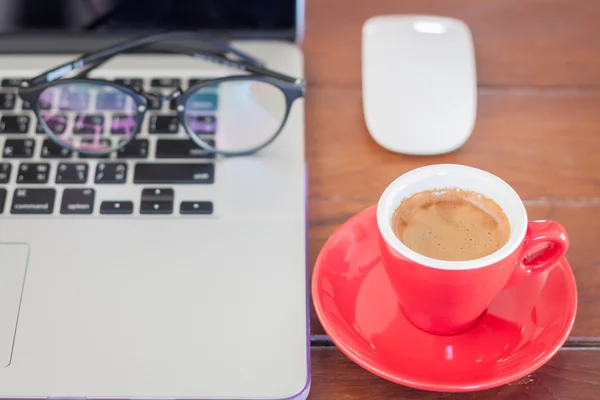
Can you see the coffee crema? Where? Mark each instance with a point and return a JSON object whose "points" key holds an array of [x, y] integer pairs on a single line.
{"points": [[451, 224]]}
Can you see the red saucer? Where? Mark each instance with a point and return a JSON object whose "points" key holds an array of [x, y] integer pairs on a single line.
{"points": [[523, 328]]}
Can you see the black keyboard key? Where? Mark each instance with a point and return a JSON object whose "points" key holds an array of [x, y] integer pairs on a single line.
{"points": [[12, 82], [114, 173], [77, 201], [203, 124], [164, 124], [5, 169], [196, 207], [18, 148], [180, 148], [33, 173], [157, 201], [72, 173], [7, 101], [135, 83], [94, 156], [137, 148], [154, 102], [123, 124], [33, 201], [103, 142], [116, 207], [156, 207], [88, 124], [2, 199], [56, 123], [174, 173], [14, 124], [158, 194], [51, 149], [165, 82]]}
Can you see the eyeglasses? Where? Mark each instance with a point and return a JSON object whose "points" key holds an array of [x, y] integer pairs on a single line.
{"points": [[97, 117]]}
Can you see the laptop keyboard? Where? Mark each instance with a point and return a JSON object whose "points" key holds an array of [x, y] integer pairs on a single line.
{"points": [[45, 178]]}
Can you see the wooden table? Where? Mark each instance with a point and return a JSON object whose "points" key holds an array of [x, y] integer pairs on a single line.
{"points": [[538, 128]]}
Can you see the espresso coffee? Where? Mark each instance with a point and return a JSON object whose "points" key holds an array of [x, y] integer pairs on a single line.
{"points": [[451, 224]]}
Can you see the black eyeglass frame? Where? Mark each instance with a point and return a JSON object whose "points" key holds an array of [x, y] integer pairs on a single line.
{"points": [[292, 88]]}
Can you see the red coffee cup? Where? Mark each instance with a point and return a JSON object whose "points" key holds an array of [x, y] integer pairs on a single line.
{"points": [[447, 297]]}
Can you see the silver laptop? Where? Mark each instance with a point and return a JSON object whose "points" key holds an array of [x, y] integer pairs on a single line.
{"points": [[158, 270]]}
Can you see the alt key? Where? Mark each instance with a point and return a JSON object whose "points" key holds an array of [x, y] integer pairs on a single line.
{"points": [[77, 201], [196, 207]]}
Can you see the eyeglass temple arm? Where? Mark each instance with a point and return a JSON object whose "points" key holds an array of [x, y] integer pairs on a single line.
{"points": [[94, 60], [212, 57], [224, 60]]}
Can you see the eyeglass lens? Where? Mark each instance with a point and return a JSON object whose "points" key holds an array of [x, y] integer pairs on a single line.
{"points": [[97, 117], [89, 116], [251, 114]]}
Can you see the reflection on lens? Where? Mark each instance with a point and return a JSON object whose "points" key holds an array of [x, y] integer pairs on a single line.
{"points": [[239, 115], [202, 101], [202, 124], [91, 117]]}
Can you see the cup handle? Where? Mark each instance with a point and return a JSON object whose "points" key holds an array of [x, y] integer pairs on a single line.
{"points": [[546, 242]]}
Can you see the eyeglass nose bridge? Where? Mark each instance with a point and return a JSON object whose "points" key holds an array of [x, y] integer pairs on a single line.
{"points": [[165, 97], [176, 93]]}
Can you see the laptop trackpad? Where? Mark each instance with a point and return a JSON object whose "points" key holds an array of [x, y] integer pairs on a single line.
{"points": [[13, 262]]}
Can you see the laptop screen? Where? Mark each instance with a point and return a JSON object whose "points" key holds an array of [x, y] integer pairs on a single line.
{"points": [[258, 18]]}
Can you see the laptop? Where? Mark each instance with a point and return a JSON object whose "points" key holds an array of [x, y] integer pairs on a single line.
{"points": [[206, 301]]}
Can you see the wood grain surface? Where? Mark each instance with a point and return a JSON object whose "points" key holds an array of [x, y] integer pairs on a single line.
{"points": [[538, 127], [517, 42], [543, 142], [570, 375]]}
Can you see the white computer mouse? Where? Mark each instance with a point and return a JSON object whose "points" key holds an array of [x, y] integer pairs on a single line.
{"points": [[419, 83]]}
